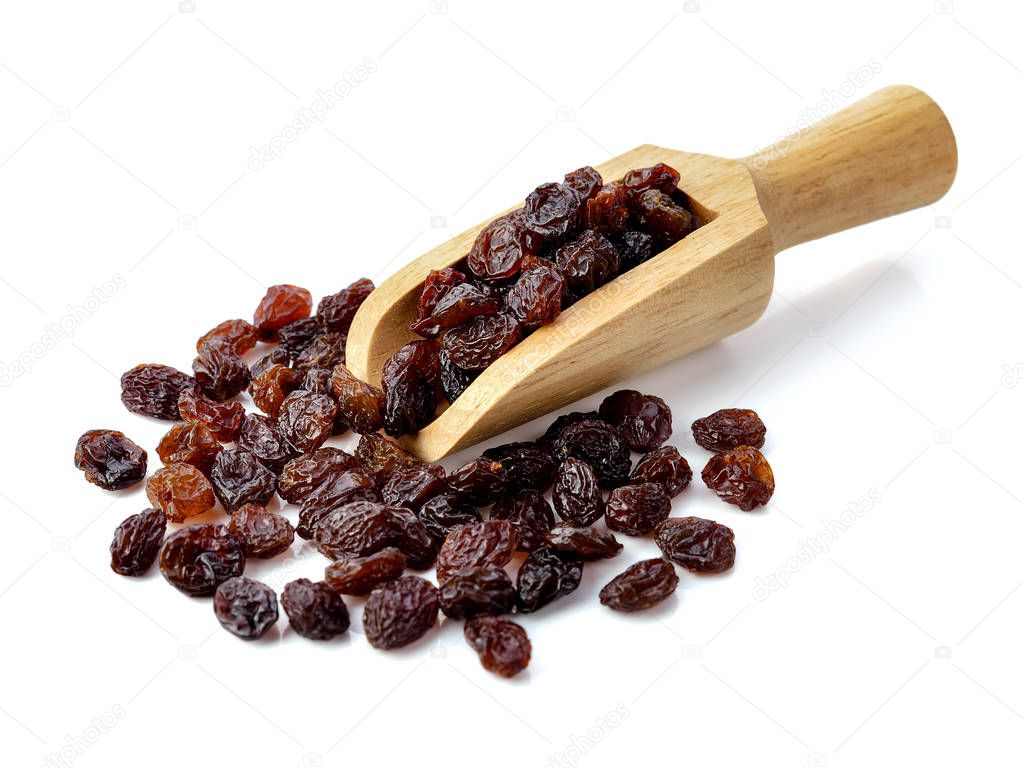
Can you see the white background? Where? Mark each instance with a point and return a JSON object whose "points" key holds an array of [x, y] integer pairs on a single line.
{"points": [[887, 368]]}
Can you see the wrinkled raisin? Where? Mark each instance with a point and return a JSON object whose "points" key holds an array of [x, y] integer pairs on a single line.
{"points": [[220, 371], [740, 476], [360, 404], [535, 299], [315, 609], [480, 482], [583, 543], [306, 420], [442, 514], [462, 302], [412, 487], [552, 211], [239, 478], [479, 342], [634, 248], [530, 514], [544, 576], [665, 466], [640, 586], [245, 607], [296, 336], [729, 428], [415, 541], [224, 420], [636, 510], [261, 436], [658, 215], [400, 612], [190, 443], [599, 445], [197, 559], [502, 645], [661, 177], [492, 542], [241, 334], [281, 305], [703, 546], [276, 356], [411, 382], [338, 490], [500, 247], [606, 212], [361, 575], [264, 534], [325, 351], [586, 182], [475, 591], [644, 421], [382, 457], [587, 262], [180, 491], [337, 311], [564, 421], [356, 530], [576, 495], [136, 542], [109, 459], [454, 380], [302, 475], [527, 465], [153, 390], [436, 286], [270, 388]]}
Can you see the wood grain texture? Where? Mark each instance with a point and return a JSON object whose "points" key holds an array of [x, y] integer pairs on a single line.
{"points": [[716, 281]]}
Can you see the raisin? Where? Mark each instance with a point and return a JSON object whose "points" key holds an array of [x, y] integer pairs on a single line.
{"points": [[480, 482], [436, 286], [275, 356], [586, 182], [109, 459], [599, 445], [442, 514], [239, 478], [382, 457], [492, 542], [356, 530], [479, 342], [552, 211], [224, 420], [640, 586], [197, 559], [499, 248], [317, 380], [411, 379], [338, 490], [361, 575], [636, 510], [576, 495], [241, 334], [281, 305], [306, 420], [270, 388], [587, 262], [544, 576], [415, 542], [665, 466], [657, 214], [606, 212], [337, 311], [400, 612], [454, 380], [661, 177], [245, 607], [530, 514], [535, 299], [644, 421], [190, 443], [703, 546], [553, 433], [296, 336], [264, 534], [302, 475], [220, 371], [261, 436], [137, 542], [325, 351], [412, 487], [527, 465], [740, 476], [180, 491], [634, 248], [460, 303], [503, 646], [729, 428], [475, 591], [153, 390], [361, 405], [583, 543], [315, 609]]}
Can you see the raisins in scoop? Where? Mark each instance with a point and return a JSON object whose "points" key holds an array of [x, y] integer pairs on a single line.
{"points": [[586, 182], [583, 543], [361, 575], [480, 482], [535, 299], [636, 510], [576, 495], [136, 543], [454, 380], [702, 546], [740, 476], [199, 558], [458, 305], [180, 491], [729, 428], [661, 177], [224, 420], [600, 445], [245, 607], [492, 542], [634, 248], [606, 212], [263, 533], [587, 262], [336, 312], [527, 465], [665, 466], [658, 214], [640, 586], [361, 405], [239, 478], [191, 443], [436, 286], [109, 459], [502, 645], [477, 590], [479, 343], [552, 211], [500, 247], [411, 379], [400, 612], [531, 515], [306, 420], [281, 305], [644, 421], [242, 335], [315, 610], [153, 390], [544, 576], [220, 371]]}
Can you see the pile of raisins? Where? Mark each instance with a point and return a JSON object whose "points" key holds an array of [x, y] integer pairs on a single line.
{"points": [[509, 532]]}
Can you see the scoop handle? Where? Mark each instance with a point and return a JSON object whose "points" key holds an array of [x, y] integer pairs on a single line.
{"points": [[891, 152]]}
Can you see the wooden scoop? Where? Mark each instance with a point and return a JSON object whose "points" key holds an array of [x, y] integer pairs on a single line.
{"points": [[891, 152]]}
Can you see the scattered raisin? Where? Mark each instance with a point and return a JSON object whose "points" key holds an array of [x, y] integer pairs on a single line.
{"points": [[109, 459], [583, 543], [180, 491], [729, 428], [190, 443], [224, 420], [315, 609], [356, 530], [325, 351], [599, 445], [644, 421], [492, 542], [527, 465], [239, 478], [264, 534], [153, 390], [361, 575], [703, 546], [411, 487], [400, 612], [553, 433], [197, 559], [636, 510], [241, 334], [382, 457], [442, 514], [281, 305], [269, 389], [302, 475], [276, 356], [415, 541], [544, 576], [306, 420], [477, 590], [261, 436], [137, 542], [576, 495], [740, 476], [640, 586], [245, 607], [336, 312], [503, 646], [480, 482], [296, 336], [220, 371], [338, 490], [530, 514], [665, 466]]}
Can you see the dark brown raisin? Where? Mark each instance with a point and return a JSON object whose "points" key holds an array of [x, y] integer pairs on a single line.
{"points": [[415, 542], [480, 482], [475, 591], [492, 542], [296, 336], [276, 356], [336, 312], [458, 305], [559, 425], [356, 530], [576, 495], [260, 436], [640, 586], [109, 459], [599, 445], [245, 607], [239, 478], [500, 247], [644, 421], [180, 491], [454, 380], [153, 390], [315, 609], [527, 465], [586, 182], [220, 371], [281, 305], [199, 558], [338, 490], [480, 342], [360, 404], [382, 457], [587, 262], [656, 213], [535, 299], [301, 476], [442, 514], [552, 211], [503, 646], [740, 476], [412, 386], [264, 534], [414, 486], [606, 212], [306, 420], [325, 351], [636, 510], [729, 428], [436, 286], [191, 443], [703, 546], [137, 541], [531, 515], [361, 575], [665, 466], [634, 248], [661, 177], [400, 612], [544, 576], [242, 335], [583, 543], [270, 388], [224, 420]]}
